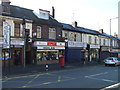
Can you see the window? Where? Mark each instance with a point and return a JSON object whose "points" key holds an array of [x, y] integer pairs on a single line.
{"points": [[0, 28], [52, 33], [75, 37], [104, 42], [100, 41], [38, 32], [90, 40], [17, 30], [66, 34], [95, 40]]}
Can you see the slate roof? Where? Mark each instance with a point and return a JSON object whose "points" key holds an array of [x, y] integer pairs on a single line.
{"points": [[23, 13], [68, 27], [89, 31]]}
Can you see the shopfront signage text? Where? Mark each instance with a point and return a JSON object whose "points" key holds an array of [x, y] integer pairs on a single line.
{"points": [[75, 44]]}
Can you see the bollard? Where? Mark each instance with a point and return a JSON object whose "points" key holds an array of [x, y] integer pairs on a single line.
{"points": [[46, 66]]}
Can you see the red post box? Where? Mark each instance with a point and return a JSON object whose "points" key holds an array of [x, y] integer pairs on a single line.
{"points": [[62, 61]]}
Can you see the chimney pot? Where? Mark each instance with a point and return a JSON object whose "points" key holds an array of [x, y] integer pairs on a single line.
{"points": [[53, 12], [101, 31], [74, 24]]}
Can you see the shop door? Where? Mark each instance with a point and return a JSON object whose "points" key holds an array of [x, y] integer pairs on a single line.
{"points": [[28, 57], [17, 57]]}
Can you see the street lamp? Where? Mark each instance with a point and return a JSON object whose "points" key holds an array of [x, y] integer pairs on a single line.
{"points": [[110, 23], [110, 32]]}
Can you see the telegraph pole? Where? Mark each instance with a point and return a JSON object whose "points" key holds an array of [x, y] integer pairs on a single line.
{"points": [[24, 38]]}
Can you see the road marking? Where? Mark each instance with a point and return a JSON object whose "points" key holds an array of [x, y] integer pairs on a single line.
{"points": [[47, 83], [116, 70], [31, 80], [112, 86], [53, 82], [96, 74], [59, 78], [106, 80]]}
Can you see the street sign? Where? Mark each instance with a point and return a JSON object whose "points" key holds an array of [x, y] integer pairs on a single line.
{"points": [[6, 34]]}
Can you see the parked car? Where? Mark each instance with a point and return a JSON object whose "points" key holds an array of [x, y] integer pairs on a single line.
{"points": [[112, 61]]}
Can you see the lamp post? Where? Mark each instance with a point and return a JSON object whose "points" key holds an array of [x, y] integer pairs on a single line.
{"points": [[110, 32], [24, 38], [7, 40], [110, 23]]}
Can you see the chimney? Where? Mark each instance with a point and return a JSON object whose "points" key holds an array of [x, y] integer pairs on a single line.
{"points": [[115, 35], [74, 24], [5, 6], [101, 31], [53, 12]]}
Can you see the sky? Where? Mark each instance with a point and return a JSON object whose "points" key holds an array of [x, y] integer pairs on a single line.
{"points": [[92, 14]]}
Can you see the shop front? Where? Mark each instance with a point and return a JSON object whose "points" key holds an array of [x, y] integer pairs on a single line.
{"points": [[14, 54], [115, 52], [74, 51], [104, 53], [48, 52], [94, 52]]}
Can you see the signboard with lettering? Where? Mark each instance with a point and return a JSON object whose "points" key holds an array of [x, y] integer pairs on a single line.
{"points": [[49, 45], [6, 34], [75, 44]]}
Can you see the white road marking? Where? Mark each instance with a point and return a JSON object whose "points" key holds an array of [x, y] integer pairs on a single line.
{"points": [[112, 86], [106, 80], [116, 70], [96, 74]]}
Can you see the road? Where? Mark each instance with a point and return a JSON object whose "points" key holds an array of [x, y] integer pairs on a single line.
{"points": [[97, 76]]}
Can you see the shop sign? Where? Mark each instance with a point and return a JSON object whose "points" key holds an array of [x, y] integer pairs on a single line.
{"points": [[14, 42], [58, 44], [75, 44], [43, 47], [17, 42], [85, 45], [94, 46], [6, 34], [105, 49], [114, 50]]}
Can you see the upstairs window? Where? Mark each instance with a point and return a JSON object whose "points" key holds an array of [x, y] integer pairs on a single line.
{"points": [[100, 41], [90, 40], [38, 32], [66, 35], [95, 40], [104, 42], [52, 33], [17, 30], [75, 37]]}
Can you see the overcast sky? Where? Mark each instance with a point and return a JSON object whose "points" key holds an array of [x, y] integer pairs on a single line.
{"points": [[92, 14]]}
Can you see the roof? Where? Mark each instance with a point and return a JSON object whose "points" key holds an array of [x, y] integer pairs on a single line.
{"points": [[68, 27], [24, 13], [89, 31]]}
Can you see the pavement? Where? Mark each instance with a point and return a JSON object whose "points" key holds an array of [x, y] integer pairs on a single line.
{"points": [[32, 69]]}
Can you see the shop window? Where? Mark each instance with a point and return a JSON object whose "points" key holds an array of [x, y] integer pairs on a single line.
{"points": [[0, 28], [38, 32], [17, 30], [43, 55], [52, 33]]}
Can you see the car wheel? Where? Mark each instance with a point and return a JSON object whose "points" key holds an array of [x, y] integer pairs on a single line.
{"points": [[105, 64], [115, 64]]}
